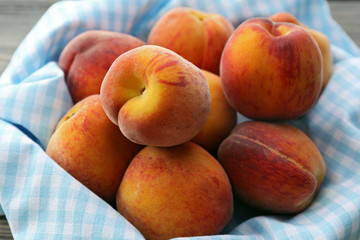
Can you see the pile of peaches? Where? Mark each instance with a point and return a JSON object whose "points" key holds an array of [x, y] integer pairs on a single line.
{"points": [[154, 132]]}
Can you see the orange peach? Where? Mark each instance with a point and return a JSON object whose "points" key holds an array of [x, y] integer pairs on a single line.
{"points": [[197, 36], [271, 71], [321, 39], [155, 96], [87, 57], [91, 148], [272, 166], [175, 192], [222, 117]]}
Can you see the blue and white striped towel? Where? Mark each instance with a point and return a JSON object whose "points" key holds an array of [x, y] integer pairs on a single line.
{"points": [[42, 201]]}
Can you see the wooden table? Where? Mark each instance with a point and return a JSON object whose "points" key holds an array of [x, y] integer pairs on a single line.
{"points": [[18, 16]]}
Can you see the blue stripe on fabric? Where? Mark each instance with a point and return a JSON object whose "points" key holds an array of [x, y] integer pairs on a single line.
{"points": [[256, 228], [324, 226], [100, 218], [60, 194], [119, 230], [44, 216], [343, 217], [25, 213], [337, 210], [24, 130], [28, 106], [47, 113], [79, 211], [219, 8], [114, 20], [11, 167], [151, 12]]}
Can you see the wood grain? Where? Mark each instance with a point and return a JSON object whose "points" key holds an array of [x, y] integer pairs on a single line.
{"points": [[17, 17], [5, 232]]}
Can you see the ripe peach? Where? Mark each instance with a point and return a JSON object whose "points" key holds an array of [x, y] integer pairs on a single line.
{"points": [[320, 38], [91, 148], [222, 117], [272, 166], [271, 71], [175, 192], [87, 57], [155, 96], [197, 36]]}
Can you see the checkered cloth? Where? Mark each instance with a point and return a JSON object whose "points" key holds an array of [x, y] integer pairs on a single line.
{"points": [[42, 201]]}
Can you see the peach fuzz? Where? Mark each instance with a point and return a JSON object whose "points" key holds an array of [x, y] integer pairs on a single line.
{"points": [[197, 36], [274, 167], [91, 148], [156, 97], [175, 192], [222, 117], [88, 56], [321, 39], [271, 71]]}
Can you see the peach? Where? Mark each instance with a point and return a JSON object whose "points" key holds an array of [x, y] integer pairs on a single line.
{"points": [[87, 57], [155, 96], [271, 71], [222, 117], [320, 38], [91, 148], [175, 192], [272, 166], [197, 36]]}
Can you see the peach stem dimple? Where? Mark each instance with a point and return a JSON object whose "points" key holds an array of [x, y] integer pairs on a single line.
{"points": [[142, 90], [280, 30], [199, 15], [275, 29]]}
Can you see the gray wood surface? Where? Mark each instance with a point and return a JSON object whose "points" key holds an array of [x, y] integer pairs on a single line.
{"points": [[346, 13], [18, 16]]}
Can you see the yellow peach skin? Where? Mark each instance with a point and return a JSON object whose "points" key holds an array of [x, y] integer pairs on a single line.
{"points": [[175, 192], [272, 166], [155, 96], [87, 57], [222, 117], [321, 39], [91, 148], [271, 71], [197, 36]]}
